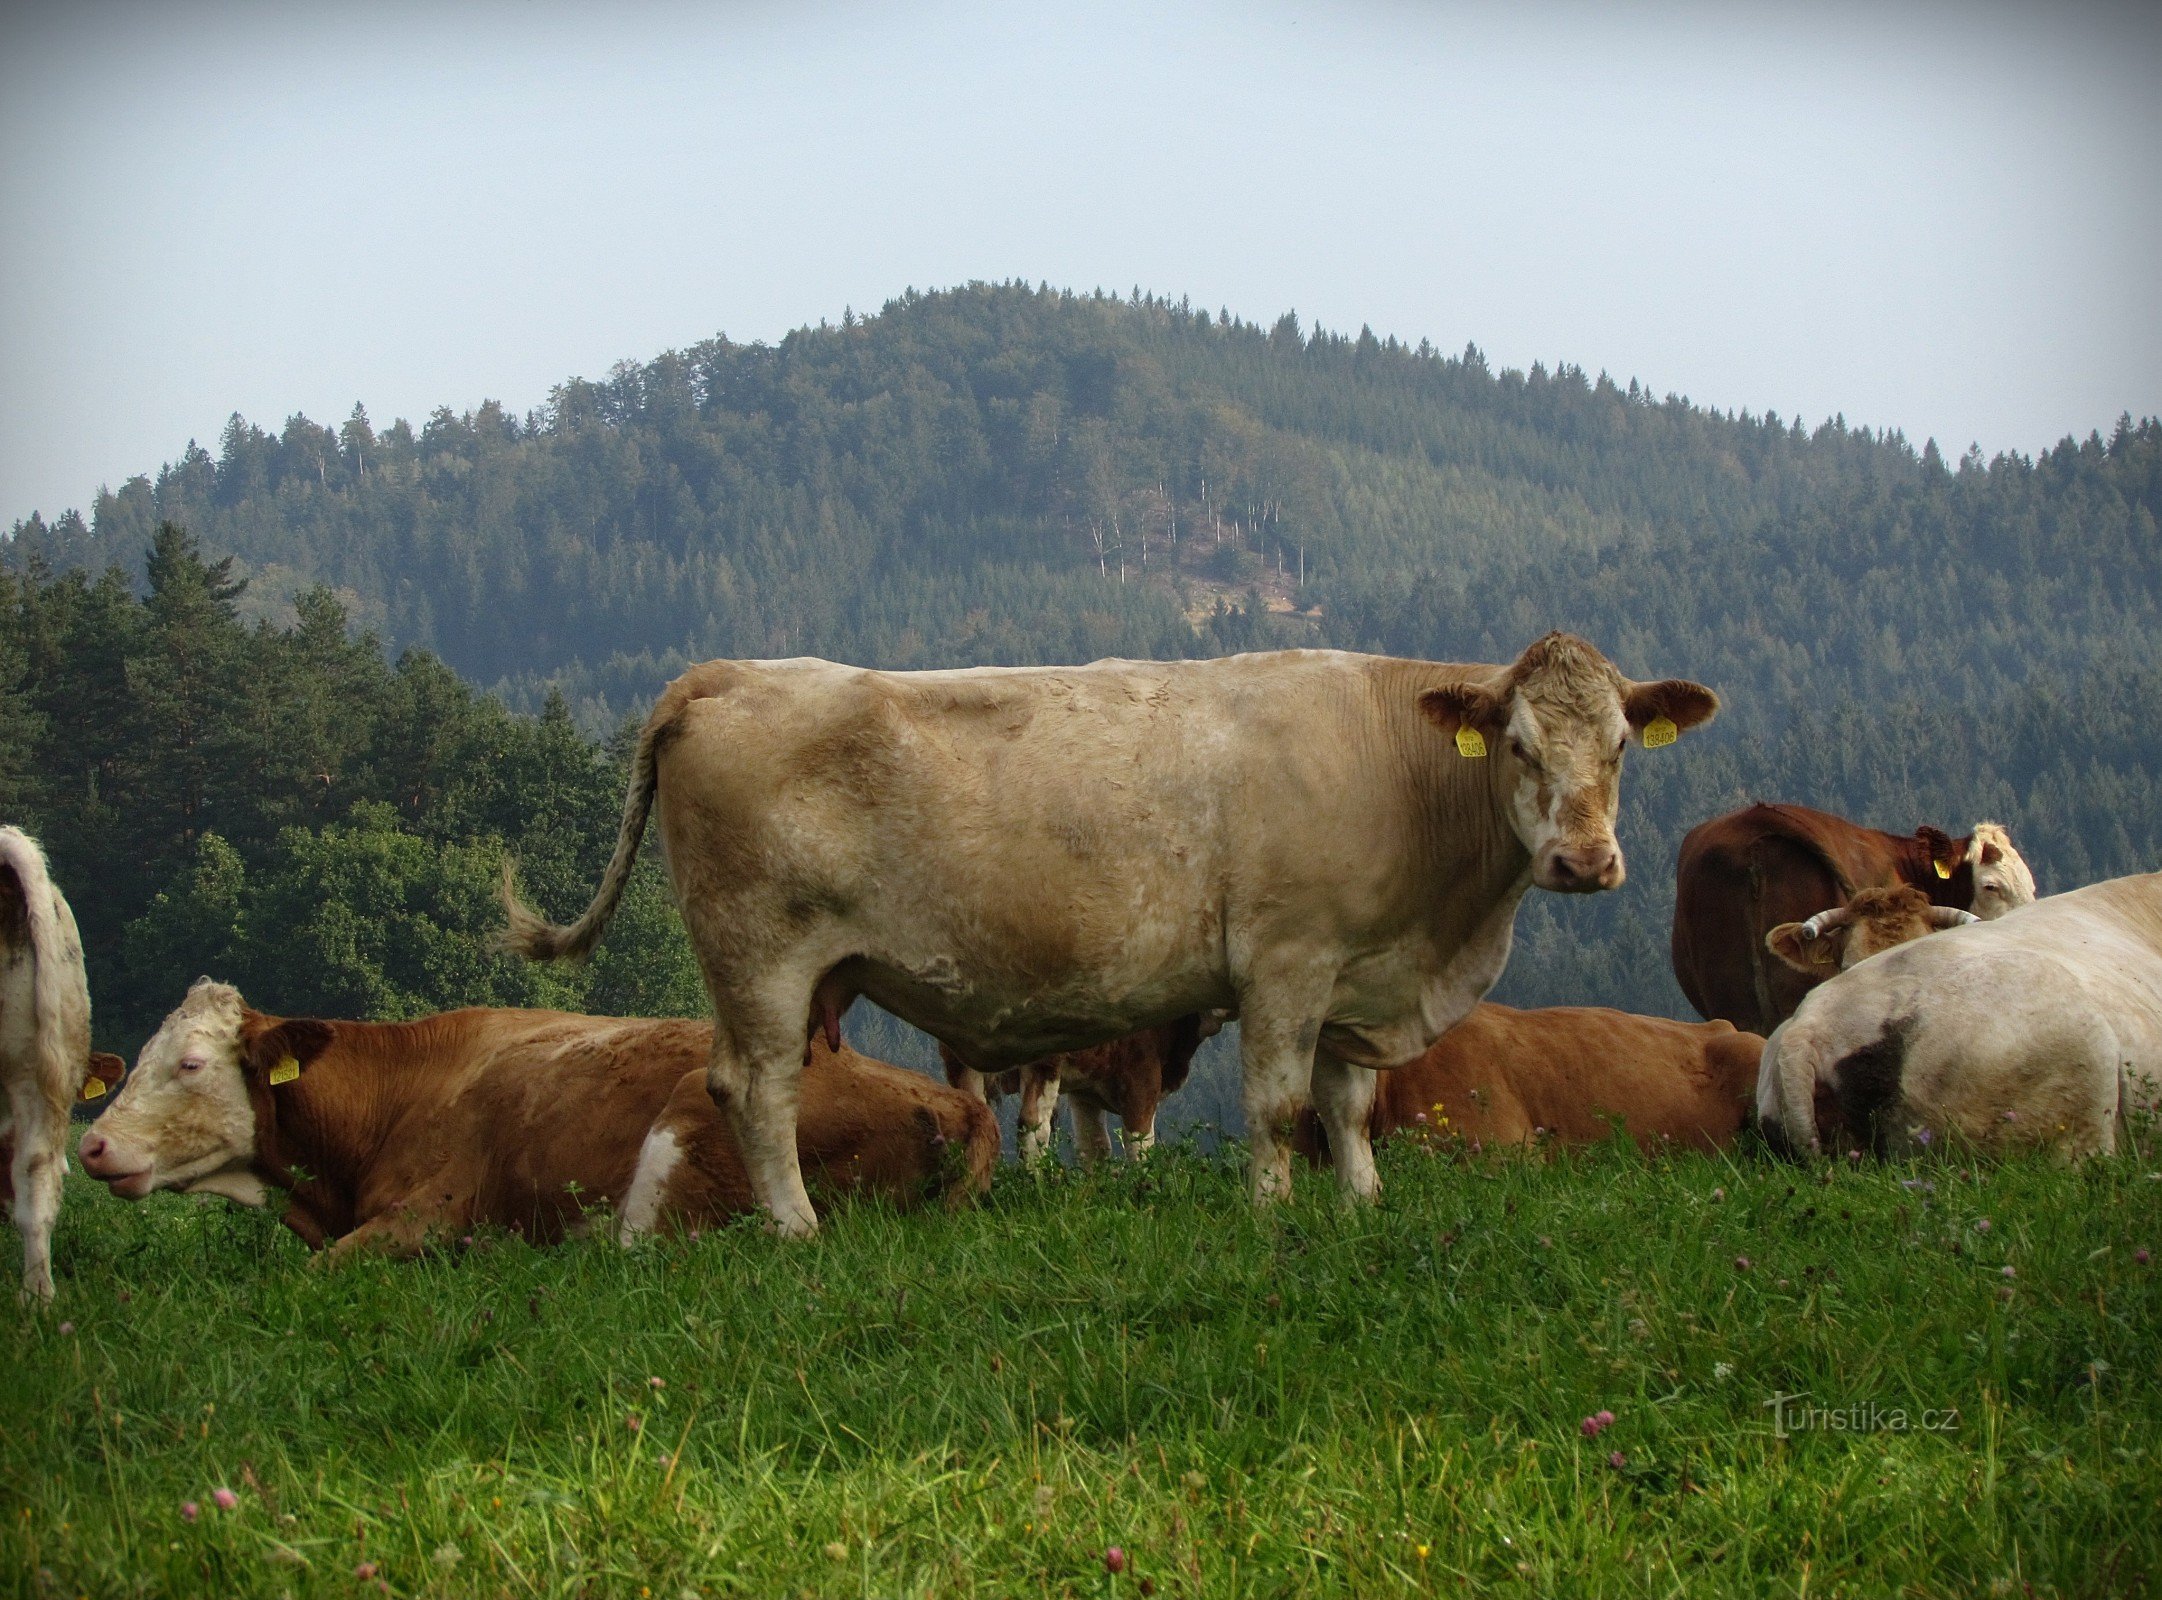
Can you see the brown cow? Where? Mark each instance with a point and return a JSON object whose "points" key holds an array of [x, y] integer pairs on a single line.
{"points": [[1127, 1078], [46, 1063], [1874, 920], [1743, 874], [389, 1135], [1509, 1077]]}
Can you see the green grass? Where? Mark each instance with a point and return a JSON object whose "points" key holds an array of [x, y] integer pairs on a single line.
{"points": [[1316, 1401]]}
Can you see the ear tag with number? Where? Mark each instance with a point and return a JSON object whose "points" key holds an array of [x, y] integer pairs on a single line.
{"points": [[1660, 731], [1944, 869], [93, 1089], [1470, 743], [285, 1071]]}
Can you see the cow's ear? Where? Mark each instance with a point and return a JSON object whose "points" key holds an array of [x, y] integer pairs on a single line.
{"points": [[1675, 701], [101, 1075], [1791, 943], [277, 1049], [1465, 705], [1991, 855], [1945, 852]]}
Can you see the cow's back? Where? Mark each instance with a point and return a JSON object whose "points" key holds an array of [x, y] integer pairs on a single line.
{"points": [[538, 1116], [1566, 1073]]}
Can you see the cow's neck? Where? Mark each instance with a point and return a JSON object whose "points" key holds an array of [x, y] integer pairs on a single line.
{"points": [[319, 1136], [1482, 871]]}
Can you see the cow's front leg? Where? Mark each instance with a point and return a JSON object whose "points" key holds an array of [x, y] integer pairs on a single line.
{"points": [[400, 1233], [1276, 1053], [1344, 1100], [1091, 1139], [1039, 1103]]}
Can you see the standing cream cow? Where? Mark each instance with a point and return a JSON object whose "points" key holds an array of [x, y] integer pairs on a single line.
{"points": [[1022, 861], [2040, 1029], [45, 1056]]}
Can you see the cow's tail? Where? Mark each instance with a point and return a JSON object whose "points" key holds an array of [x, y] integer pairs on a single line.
{"points": [[527, 932], [58, 989]]}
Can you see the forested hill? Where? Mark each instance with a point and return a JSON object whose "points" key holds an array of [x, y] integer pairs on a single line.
{"points": [[1000, 474]]}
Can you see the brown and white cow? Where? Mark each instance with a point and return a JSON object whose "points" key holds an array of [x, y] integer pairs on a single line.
{"points": [[46, 1063], [387, 1135], [1743, 874], [1508, 1077], [1022, 861], [1127, 1078], [1874, 920]]}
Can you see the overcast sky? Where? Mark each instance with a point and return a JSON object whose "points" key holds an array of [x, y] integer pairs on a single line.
{"points": [[1946, 219]]}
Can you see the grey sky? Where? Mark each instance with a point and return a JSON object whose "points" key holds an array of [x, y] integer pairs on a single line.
{"points": [[1943, 219]]}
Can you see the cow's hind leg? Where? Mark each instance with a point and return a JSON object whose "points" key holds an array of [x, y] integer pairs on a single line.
{"points": [[1091, 1139], [1344, 1100], [36, 1173], [754, 1075]]}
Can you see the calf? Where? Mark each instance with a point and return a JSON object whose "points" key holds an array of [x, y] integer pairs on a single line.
{"points": [[1128, 1078], [388, 1135], [1874, 920], [1509, 1077], [45, 1057]]}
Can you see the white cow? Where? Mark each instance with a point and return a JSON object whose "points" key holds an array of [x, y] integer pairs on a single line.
{"points": [[2039, 1029], [45, 1056], [1023, 861]]}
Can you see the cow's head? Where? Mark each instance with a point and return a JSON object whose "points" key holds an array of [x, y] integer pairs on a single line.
{"points": [[1874, 920], [1555, 724], [2002, 880], [187, 1117]]}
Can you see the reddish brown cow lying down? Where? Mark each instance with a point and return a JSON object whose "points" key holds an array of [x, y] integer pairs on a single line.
{"points": [[388, 1135], [1504, 1077], [1127, 1078], [1874, 920]]}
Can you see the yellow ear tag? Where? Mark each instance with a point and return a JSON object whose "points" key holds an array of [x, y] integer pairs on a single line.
{"points": [[285, 1071], [1470, 743], [93, 1089], [1943, 870], [1660, 731]]}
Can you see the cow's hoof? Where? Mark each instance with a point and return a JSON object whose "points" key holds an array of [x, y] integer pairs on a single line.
{"points": [[796, 1226]]}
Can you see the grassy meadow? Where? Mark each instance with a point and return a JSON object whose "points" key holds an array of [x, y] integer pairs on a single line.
{"points": [[1314, 1401]]}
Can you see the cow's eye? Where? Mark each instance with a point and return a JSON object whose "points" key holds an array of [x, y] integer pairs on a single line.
{"points": [[191, 1064], [1517, 748]]}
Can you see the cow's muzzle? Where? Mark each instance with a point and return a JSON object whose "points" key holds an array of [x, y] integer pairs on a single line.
{"points": [[1580, 869], [114, 1168]]}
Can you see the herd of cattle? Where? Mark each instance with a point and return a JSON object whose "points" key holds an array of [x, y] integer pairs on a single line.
{"points": [[1073, 876]]}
